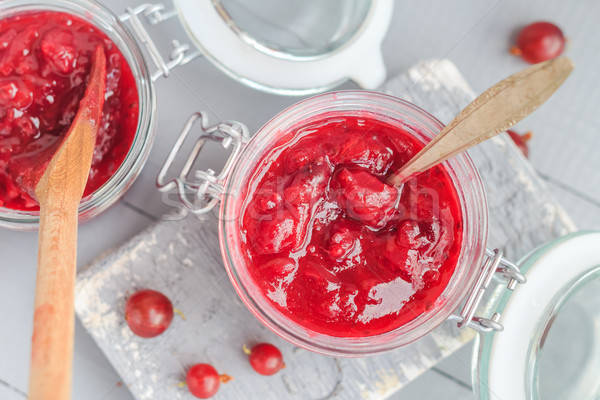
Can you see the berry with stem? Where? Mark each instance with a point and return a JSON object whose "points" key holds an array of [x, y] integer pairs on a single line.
{"points": [[265, 358], [539, 41], [203, 380]]}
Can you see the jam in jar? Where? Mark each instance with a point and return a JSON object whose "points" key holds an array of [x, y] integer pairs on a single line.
{"points": [[336, 248], [45, 60]]}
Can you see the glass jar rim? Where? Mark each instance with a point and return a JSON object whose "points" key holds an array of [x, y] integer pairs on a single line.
{"points": [[464, 176], [110, 24]]}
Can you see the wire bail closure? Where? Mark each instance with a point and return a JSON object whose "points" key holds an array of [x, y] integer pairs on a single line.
{"points": [[495, 264], [154, 14], [200, 191]]}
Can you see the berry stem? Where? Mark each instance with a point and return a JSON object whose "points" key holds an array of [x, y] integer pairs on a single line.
{"points": [[246, 350], [180, 313], [224, 378], [515, 51]]}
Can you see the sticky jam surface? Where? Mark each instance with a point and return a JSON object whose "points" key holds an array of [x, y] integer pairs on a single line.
{"points": [[45, 60], [334, 247]]}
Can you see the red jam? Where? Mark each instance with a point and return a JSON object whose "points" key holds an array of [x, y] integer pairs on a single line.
{"points": [[335, 248], [45, 59]]}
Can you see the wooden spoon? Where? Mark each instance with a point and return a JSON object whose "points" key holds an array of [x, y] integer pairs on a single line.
{"points": [[494, 111], [58, 185]]}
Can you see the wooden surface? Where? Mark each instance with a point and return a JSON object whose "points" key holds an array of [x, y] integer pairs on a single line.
{"points": [[181, 258], [474, 34]]}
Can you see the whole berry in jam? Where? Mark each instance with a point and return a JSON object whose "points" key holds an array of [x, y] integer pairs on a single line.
{"points": [[365, 198], [265, 358], [148, 313], [203, 380], [540, 41], [521, 141]]}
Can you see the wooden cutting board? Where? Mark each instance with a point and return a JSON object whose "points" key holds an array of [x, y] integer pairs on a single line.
{"points": [[181, 258]]}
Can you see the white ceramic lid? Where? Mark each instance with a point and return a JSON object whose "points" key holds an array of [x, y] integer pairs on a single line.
{"points": [[507, 357], [358, 58]]}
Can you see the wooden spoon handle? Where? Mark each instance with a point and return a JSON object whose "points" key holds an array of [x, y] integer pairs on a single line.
{"points": [[54, 318], [494, 111], [59, 192]]}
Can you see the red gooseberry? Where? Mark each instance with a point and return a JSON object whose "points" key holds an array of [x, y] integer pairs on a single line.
{"points": [[265, 358], [203, 380], [148, 313], [539, 41]]}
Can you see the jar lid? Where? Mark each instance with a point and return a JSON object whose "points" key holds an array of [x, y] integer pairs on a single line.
{"points": [[293, 48], [550, 347]]}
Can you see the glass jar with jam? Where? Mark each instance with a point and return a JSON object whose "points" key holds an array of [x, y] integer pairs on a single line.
{"points": [[322, 249], [45, 60]]}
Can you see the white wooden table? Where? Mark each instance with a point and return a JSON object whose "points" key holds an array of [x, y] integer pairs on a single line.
{"points": [[472, 34]]}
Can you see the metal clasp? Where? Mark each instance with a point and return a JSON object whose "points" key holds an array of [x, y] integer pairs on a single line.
{"points": [[494, 264], [154, 14], [200, 191]]}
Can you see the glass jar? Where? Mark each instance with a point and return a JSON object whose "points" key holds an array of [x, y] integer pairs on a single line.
{"points": [[550, 348], [125, 175], [229, 187]]}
